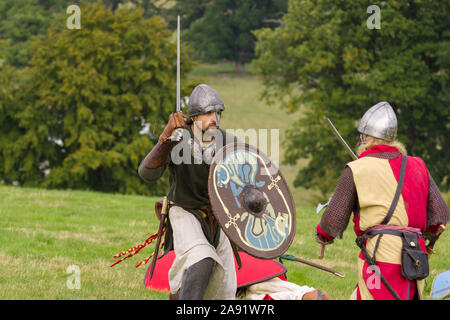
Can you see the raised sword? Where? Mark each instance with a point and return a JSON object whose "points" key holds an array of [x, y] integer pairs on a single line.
{"points": [[177, 134], [320, 206], [342, 141]]}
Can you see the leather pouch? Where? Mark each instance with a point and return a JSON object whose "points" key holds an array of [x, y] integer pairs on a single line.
{"points": [[414, 261]]}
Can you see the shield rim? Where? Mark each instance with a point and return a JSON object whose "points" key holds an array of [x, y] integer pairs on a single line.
{"points": [[253, 252]]}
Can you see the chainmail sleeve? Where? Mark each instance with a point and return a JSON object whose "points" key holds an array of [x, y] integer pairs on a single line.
{"points": [[336, 217], [437, 210]]}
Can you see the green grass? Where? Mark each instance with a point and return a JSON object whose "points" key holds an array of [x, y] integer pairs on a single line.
{"points": [[43, 232]]}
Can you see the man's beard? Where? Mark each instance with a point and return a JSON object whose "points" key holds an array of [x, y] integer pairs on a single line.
{"points": [[210, 133]]}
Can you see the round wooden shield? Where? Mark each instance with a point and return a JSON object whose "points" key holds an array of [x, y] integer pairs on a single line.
{"points": [[251, 201]]}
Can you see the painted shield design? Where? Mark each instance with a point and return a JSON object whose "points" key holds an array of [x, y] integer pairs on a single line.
{"points": [[251, 201]]}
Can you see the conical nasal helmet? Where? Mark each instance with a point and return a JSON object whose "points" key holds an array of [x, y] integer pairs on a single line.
{"points": [[380, 122]]}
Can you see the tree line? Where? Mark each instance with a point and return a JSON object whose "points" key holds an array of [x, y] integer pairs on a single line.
{"points": [[80, 108]]}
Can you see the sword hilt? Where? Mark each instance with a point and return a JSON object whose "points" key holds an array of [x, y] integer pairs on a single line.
{"points": [[321, 251]]}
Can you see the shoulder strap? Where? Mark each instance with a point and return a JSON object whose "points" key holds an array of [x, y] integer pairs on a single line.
{"points": [[398, 191]]}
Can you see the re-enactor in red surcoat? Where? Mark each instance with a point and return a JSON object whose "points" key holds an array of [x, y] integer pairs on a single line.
{"points": [[367, 187]]}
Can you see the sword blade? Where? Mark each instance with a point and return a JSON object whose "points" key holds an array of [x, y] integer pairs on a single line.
{"points": [[342, 141], [178, 65]]}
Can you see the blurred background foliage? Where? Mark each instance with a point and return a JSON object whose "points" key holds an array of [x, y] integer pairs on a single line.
{"points": [[80, 108], [326, 59]]}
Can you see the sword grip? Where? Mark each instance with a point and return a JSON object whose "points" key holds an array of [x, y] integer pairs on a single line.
{"points": [[321, 251], [164, 206]]}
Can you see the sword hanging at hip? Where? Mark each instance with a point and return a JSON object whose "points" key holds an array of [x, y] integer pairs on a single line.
{"points": [[162, 222]]}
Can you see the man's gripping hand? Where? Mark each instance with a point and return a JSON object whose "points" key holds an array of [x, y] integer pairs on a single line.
{"points": [[176, 120]]}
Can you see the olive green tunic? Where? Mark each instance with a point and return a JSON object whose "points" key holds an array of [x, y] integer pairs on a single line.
{"points": [[188, 184]]}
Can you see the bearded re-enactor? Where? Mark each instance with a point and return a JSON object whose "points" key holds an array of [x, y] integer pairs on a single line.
{"points": [[383, 221], [204, 264]]}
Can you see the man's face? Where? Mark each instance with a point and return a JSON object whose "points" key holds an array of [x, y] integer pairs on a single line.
{"points": [[208, 120]]}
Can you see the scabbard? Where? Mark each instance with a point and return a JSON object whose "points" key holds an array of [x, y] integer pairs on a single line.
{"points": [[162, 221]]}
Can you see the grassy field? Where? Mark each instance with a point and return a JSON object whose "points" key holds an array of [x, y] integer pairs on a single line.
{"points": [[44, 232]]}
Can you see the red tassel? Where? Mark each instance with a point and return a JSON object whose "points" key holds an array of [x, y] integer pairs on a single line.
{"points": [[146, 260], [134, 250]]}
